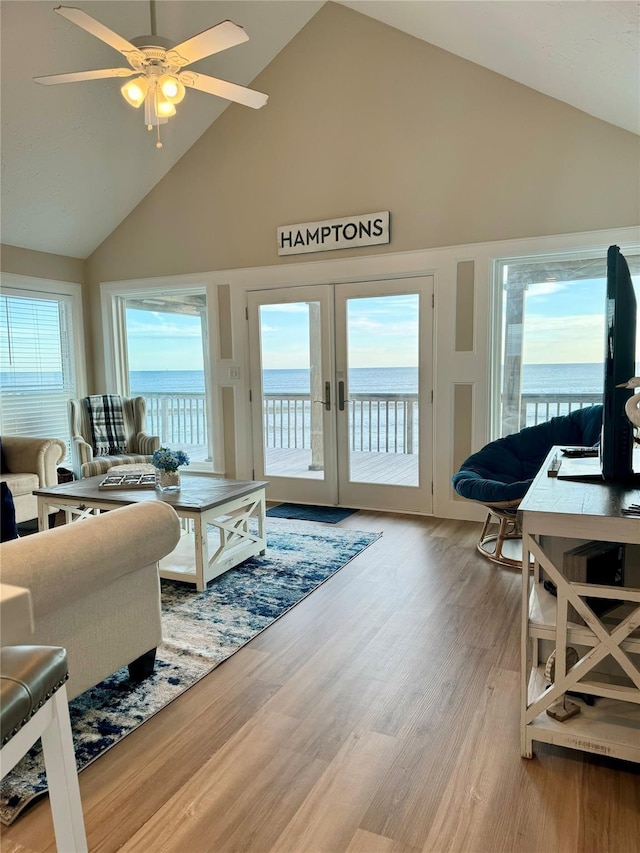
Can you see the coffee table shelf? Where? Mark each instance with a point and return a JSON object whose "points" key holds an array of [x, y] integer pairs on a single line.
{"points": [[224, 520]]}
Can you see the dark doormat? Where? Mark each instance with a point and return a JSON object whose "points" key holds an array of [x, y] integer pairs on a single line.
{"points": [[328, 514]]}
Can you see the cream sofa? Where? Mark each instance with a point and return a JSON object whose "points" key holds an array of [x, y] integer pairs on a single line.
{"points": [[31, 463], [95, 589]]}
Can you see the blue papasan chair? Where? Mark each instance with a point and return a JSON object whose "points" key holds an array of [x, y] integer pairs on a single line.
{"points": [[500, 474]]}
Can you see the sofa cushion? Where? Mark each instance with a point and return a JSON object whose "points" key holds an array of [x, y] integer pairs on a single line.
{"points": [[101, 464], [21, 484]]}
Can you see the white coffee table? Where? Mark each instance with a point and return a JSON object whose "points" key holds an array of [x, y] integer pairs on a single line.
{"points": [[216, 513]]}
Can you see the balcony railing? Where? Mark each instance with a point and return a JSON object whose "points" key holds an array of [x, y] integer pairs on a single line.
{"points": [[381, 423], [386, 423], [179, 419], [539, 408]]}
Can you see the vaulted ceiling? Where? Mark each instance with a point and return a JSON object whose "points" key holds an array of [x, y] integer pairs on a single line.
{"points": [[76, 159]]}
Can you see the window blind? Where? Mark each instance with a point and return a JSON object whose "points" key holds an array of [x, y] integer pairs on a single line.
{"points": [[38, 373]]}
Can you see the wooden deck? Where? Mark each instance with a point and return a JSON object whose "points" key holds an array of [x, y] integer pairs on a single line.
{"points": [[399, 469], [382, 468]]}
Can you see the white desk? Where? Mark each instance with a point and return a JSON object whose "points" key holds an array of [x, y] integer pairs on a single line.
{"points": [[557, 508]]}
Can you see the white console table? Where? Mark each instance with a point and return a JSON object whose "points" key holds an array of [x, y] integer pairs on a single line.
{"points": [[565, 509]]}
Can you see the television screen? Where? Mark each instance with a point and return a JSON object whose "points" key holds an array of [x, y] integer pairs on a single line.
{"points": [[616, 451]]}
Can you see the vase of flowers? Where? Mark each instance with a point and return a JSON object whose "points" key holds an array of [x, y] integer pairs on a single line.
{"points": [[167, 462]]}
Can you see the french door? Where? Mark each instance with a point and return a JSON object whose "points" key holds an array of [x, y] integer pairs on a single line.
{"points": [[341, 380]]}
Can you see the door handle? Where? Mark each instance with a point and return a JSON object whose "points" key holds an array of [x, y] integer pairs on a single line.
{"points": [[327, 397], [341, 399]]}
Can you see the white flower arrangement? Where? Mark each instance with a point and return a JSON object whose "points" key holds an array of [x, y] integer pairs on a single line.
{"points": [[166, 459]]}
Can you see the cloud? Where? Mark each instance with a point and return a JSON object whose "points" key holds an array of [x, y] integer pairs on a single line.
{"points": [[564, 340], [546, 288]]}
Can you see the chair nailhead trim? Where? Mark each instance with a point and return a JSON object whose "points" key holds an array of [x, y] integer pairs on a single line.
{"points": [[42, 702]]}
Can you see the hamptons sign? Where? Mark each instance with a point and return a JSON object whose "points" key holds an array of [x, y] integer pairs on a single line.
{"points": [[370, 229]]}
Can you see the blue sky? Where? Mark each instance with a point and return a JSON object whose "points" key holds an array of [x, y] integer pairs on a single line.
{"points": [[382, 333], [564, 324], [158, 341]]}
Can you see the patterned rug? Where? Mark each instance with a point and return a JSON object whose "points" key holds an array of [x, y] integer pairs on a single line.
{"points": [[200, 631]]}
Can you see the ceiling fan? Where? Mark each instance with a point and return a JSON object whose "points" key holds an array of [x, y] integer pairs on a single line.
{"points": [[159, 64]]}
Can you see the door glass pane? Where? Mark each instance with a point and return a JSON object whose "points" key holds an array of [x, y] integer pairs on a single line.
{"points": [[166, 340], [382, 370], [292, 390]]}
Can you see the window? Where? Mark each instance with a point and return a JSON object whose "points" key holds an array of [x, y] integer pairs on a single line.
{"points": [[39, 352], [164, 337], [552, 336]]}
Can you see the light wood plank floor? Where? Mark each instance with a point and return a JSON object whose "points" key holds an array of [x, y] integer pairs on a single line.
{"points": [[379, 716]]}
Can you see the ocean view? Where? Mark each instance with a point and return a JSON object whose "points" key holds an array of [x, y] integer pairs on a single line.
{"points": [[537, 379], [174, 413]]}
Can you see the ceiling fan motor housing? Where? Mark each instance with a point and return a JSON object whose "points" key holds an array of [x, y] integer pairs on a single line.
{"points": [[153, 41]]}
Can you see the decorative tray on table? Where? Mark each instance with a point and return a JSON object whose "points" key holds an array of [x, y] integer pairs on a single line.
{"points": [[129, 481]]}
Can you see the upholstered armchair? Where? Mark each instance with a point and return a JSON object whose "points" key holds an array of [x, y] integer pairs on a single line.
{"points": [[95, 449], [26, 464]]}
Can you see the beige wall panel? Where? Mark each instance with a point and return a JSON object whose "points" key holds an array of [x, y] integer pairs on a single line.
{"points": [[465, 302], [462, 426], [363, 117], [224, 320], [228, 419], [19, 261]]}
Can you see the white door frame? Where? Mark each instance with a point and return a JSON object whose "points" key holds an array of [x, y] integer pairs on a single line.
{"points": [[321, 489], [391, 497], [335, 487]]}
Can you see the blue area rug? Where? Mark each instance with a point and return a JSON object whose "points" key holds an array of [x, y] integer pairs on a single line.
{"points": [[200, 629], [303, 512]]}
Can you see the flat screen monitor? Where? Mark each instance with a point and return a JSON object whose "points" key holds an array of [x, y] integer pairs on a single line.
{"points": [[616, 450]]}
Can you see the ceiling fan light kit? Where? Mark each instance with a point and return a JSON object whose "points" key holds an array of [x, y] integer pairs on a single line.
{"points": [[157, 61], [135, 91]]}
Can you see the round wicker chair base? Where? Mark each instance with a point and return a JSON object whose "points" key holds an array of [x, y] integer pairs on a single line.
{"points": [[508, 529]]}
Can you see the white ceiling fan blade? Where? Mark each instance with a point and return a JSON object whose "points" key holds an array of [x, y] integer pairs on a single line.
{"points": [[223, 89], [222, 36], [95, 28], [79, 76]]}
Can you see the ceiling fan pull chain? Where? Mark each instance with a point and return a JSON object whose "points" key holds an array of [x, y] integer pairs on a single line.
{"points": [[155, 101]]}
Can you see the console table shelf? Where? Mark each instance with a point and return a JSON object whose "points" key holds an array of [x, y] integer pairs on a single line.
{"points": [[607, 646], [542, 621]]}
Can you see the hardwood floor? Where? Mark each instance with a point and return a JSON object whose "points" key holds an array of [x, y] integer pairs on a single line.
{"points": [[380, 715]]}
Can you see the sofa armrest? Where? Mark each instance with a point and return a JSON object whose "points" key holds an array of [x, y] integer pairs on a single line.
{"points": [[27, 455], [66, 563]]}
